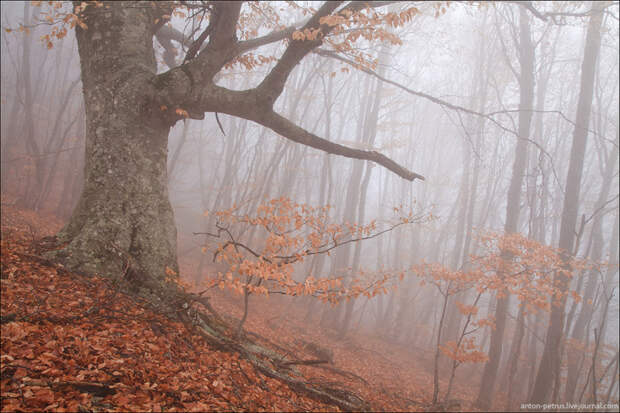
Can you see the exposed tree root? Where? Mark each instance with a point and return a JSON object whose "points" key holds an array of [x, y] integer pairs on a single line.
{"points": [[260, 357]]}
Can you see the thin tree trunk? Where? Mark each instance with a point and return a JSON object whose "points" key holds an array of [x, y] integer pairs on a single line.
{"points": [[585, 312], [515, 351], [438, 343], [550, 358], [526, 80]]}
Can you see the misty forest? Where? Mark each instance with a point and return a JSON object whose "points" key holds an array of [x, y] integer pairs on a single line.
{"points": [[309, 206]]}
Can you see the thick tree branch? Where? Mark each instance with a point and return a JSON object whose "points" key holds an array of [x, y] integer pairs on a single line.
{"points": [[197, 44], [273, 84], [221, 46], [224, 22], [250, 105], [289, 130], [165, 40], [190, 86], [275, 36], [170, 33], [166, 34]]}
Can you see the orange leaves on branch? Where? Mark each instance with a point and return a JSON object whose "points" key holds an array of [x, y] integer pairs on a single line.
{"points": [[525, 268], [350, 32], [55, 15], [261, 14], [467, 309], [250, 61], [286, 234], [91, 345], [307, 34], [485, 322], [182, 112], [509, 264], [448, 282], [402, 18], [466, 352], [368, 25]]}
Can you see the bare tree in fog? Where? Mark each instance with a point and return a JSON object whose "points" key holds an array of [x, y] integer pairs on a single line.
{"points": [[48, 132], [550, 363], [181, 114], [513, 206]]}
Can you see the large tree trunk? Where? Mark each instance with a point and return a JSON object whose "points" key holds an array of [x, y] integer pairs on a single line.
{"points": [[123, 224], [551, 357]]}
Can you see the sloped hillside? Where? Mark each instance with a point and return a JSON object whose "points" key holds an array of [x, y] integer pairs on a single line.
{"points": [[77, 343], [71, 343]]}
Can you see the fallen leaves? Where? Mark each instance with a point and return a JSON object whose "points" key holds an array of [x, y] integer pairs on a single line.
{"points": [[72, 343], [76, 343]]}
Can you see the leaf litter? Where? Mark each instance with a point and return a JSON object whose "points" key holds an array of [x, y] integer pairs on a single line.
{"points": [[76, 343]]}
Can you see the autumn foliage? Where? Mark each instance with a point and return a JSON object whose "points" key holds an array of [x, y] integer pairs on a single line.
{"points": [[287, 233], [348, 30], [507, 264], [77, 343]]}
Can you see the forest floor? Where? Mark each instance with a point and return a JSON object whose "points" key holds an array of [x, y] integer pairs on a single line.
{"points": [[75, 343]]}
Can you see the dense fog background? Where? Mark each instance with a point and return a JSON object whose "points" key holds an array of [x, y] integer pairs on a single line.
{"points": [[469, 57]]}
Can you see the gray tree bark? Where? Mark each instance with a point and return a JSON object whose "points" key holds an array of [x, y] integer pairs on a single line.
{"points": [[123, 224]]}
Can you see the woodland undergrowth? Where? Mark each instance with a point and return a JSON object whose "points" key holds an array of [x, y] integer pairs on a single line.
{"points": [[75, 342]]}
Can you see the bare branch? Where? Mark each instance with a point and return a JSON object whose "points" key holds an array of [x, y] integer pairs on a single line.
{"points": [[289, 130], [334, 55], [544, 16], [443, 103]]}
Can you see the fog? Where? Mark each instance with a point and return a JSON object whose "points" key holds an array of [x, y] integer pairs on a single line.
{"points": [[471, 92]]}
